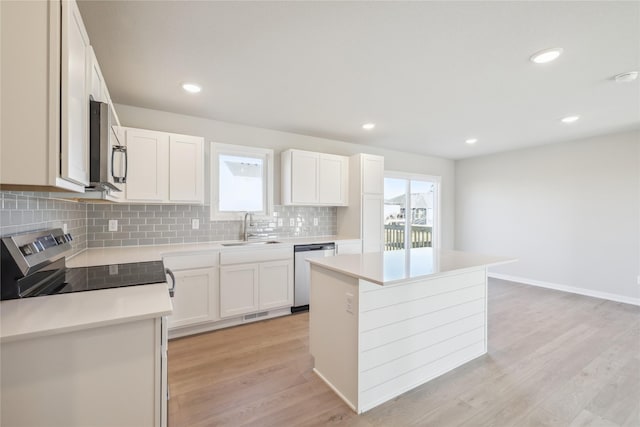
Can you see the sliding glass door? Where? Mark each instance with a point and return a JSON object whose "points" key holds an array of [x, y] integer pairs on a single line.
{"points": [[410, 211]]}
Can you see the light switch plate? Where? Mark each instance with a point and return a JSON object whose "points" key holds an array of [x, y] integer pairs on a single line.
{"points": [[349, 303], [292, 222], [195, 224], [113, 225], [64, 228], [315, 221], [280, 222]]}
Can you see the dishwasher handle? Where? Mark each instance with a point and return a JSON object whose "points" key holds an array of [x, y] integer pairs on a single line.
{"points": [[314, 247], [172, 289]]}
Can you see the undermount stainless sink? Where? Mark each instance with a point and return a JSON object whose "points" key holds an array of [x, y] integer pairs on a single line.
{"points": [[261, 242]]}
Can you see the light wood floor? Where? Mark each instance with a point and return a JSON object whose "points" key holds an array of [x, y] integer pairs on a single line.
{"points": [[555, 359]]}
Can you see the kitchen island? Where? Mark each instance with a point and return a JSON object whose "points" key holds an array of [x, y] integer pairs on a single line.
{"points": [[384, 323]]}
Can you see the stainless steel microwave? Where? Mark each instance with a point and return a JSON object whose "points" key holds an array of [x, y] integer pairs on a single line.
{"points": [[107, 156]]}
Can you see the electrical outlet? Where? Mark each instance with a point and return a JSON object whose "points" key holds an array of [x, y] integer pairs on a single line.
{"points": [[349, 303], [280, 222], [315, 222], [113, 225], [64, 228], [195, 224], [292, 222]]}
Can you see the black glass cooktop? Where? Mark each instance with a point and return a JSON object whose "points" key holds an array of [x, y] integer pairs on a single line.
{"points": [[104, 277]]}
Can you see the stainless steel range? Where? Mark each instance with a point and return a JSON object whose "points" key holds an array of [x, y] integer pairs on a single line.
{"points": [[33, 264]]}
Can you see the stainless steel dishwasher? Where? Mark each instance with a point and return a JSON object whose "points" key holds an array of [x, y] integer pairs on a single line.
{"points": [[302, 271]]}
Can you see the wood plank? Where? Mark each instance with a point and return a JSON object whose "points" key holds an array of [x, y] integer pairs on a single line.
{"points": [[555, 359]]}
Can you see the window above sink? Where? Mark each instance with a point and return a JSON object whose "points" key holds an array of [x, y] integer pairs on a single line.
{"points": [[241, 181]]}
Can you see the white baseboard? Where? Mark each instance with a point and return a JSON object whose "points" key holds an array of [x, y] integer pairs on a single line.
{"points": [[336, 391], [565, 288]]}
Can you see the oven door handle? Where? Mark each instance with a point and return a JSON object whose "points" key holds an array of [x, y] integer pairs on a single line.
{"points": [[172, 289]]}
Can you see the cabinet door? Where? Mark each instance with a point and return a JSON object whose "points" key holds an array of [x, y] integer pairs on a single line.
{"points": [[304, 177], [74, 115], [276, 284], [238, 289], [186, 169], [195, 299], [148, 168], [332, 180], [372, 223], [96, 81], [372, 174]]}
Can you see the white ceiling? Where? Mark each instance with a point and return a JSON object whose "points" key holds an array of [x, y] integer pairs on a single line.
{"points": [[429, 74]]}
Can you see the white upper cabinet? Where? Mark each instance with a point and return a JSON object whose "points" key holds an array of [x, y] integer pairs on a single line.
{"points": [[147, 172], [75, 101], [186, 169], [96, 81], [48, 75], [333, 179], [304, 177], [163, 167], [314, 179], [372, 174]]}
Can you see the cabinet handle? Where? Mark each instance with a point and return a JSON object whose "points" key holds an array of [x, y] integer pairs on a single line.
{"points": [[172, 289], [119, 149]]}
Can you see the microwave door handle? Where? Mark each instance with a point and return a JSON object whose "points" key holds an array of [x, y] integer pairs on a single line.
{"points": [[126, 164], [120, 149]]}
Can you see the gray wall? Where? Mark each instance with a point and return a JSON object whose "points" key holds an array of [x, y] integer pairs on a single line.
{"points": [[570, 212], [215, 131]]}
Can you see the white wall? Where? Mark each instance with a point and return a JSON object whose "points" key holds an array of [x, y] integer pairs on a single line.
{"points": [[569, 211], [216, 131]]}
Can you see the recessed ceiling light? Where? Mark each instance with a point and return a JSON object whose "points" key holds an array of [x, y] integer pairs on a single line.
{"points": [[368, 126], [546, 55], [191, 87], [626, 77], [471, 141], [570, 119]]}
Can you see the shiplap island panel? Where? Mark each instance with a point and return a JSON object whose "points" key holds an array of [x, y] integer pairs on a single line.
{"points": [[384, 323]]}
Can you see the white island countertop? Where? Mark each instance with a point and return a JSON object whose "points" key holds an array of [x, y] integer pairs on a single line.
{"points": [[391, 267]]}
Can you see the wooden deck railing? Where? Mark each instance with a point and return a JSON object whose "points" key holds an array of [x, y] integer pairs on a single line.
{"points": [[421, 236]]}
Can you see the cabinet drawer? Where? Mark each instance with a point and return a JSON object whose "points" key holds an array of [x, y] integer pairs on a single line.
{"points": [[239, 256], [190, 261]]}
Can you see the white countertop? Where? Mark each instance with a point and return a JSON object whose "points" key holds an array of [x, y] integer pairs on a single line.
{"points": [[54, 314], [125, 254], [391, 267], [47, 315]]}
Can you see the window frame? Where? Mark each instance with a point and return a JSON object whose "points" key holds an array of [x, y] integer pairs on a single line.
{"points": [[266, 154], [436, 180]]}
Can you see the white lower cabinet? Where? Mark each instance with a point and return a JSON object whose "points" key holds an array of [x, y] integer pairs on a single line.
{"points": [[216, 289], [104, 376], [275, 280], [239, 291], [197, 295], [255, 280], [195, 300], [247, 288]]}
